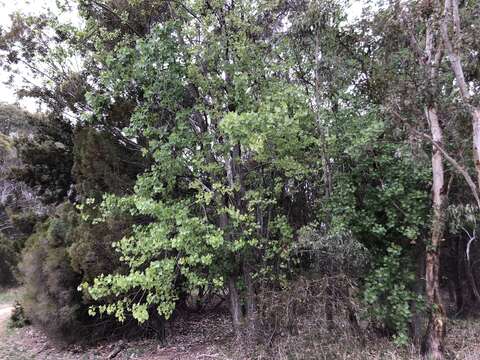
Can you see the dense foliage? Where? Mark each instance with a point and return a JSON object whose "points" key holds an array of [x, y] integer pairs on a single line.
{"points": [[238, 148]]}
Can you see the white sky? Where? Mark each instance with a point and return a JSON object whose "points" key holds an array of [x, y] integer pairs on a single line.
{"points": [[6, 8], [7, 94]]}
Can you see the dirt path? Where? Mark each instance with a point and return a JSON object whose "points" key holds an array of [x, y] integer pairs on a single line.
{"points": [[5, 312]]}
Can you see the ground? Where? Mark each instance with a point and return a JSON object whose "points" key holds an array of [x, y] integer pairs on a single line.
{"points": [[5, 311], [194, 338], [30, 343], [205, 337]]}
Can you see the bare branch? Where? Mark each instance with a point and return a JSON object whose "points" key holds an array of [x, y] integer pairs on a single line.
{"points": [[459, 167]]}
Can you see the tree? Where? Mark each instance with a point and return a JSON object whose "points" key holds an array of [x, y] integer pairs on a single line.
{"points": [[451, 16], [416, 92], [228, 140]]}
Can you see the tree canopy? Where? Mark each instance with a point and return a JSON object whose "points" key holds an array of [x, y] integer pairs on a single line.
{"points": [[209, 147]]}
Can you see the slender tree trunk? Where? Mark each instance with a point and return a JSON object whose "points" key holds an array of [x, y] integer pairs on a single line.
{"points": [[418, 288], [476, 141], [244, 324], [233, 294], [326, 166], [434, 339], [250, 301], [451, 16], [469, 271], [235, 307], [450, 261], [459, 276]]}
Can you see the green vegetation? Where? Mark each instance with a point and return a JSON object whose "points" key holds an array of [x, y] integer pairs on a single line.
{"points": [[265, 157]]}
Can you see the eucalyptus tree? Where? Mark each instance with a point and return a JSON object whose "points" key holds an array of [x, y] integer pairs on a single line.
{"points": [[414, 94], [418, 95], [460, 47], [375, 185]]}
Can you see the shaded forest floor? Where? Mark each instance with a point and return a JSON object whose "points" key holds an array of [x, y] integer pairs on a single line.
{"points": [[210, 337], [189, 340], [193, 343]]}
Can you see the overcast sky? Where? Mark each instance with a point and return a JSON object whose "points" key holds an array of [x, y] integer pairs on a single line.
{"points": [[6, 8], [37, 6]]}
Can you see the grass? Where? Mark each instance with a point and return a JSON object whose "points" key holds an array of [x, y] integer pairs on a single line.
{"points": [[9, 295]]}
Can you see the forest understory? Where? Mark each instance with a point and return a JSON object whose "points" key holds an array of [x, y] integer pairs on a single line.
{"points": [[208, 335]]}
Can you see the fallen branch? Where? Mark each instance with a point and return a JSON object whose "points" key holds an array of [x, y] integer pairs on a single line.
{"points": [[116, 350]]}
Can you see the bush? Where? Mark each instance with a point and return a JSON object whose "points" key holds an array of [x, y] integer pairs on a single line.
{"points": [[91, 252], [45, 160], [66, 249], [388, 292], [8, 261], [330, 254], [51, 299], [18, 318], [114, 172], [63, 252]]}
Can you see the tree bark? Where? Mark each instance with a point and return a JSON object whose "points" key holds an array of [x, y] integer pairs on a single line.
{"points": [[250, 301], [416, 323], [469, 270], [434, 338], [459, 275], [451, 12], [235, 307], [233, 294], [244, 323], [476, 141]]}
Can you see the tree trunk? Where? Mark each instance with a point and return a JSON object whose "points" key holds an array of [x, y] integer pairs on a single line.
{"points": [[469, 271], [434, 338], [235, 307], [416, 322], [250, 301], [244, 326], [459, 276], [233, 295], [476, 141], [451, 15]]}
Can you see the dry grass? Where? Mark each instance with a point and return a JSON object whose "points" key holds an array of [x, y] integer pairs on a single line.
{"points": [[463, 339], [210, 338], [9, 295], [206, 337], [302, 331], [294, 328], [463, 343]]}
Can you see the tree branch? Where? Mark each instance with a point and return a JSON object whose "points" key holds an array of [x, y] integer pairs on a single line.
{"points": [[459, 167]]}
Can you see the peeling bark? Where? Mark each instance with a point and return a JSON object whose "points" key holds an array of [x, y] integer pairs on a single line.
{"points": [[434, 338], [451, 14]]}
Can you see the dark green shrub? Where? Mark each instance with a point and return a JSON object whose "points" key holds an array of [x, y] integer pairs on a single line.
{"points": [[8, 261], [51, 299], [91, 253], [62, 253], [114, 171], [66, 250], [23, 221], [46, 160], [389, 293], [18, 318]]}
